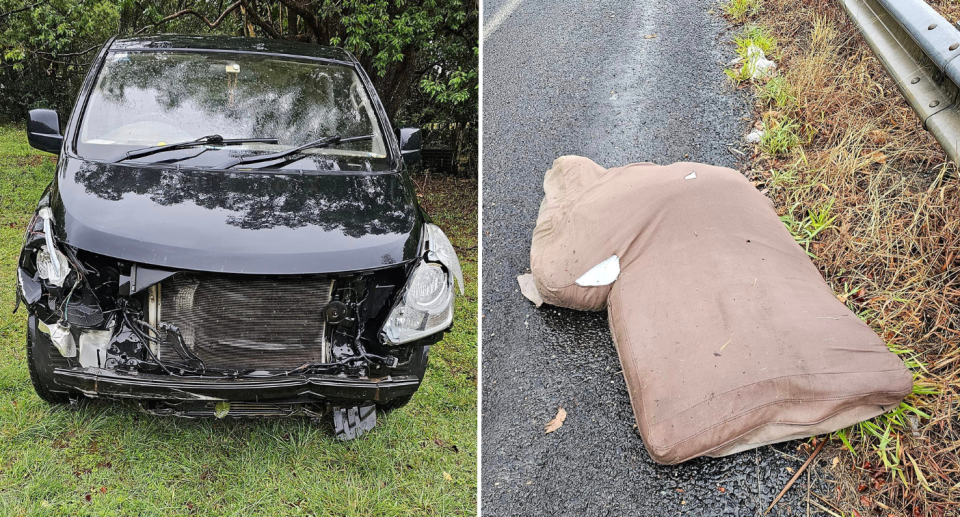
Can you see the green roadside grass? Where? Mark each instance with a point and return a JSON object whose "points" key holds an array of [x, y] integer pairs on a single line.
{"points": [[110, 459]]}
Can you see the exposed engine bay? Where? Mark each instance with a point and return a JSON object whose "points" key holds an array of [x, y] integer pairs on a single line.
{"points": [[112, 315]]}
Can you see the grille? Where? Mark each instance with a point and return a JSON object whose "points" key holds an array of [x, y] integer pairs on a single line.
{"points": [[241, 322]]}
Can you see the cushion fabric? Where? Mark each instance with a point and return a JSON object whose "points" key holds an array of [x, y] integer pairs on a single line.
{"points": [[728, 336]]}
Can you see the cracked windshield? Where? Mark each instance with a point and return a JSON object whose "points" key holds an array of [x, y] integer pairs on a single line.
{"points": [[204, 110]]}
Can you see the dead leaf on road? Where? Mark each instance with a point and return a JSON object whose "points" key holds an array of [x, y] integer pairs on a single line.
{"points": [[557, 421], [650, 36]]}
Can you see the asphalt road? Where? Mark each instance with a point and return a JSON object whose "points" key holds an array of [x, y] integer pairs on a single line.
{"points": [[581, 77]]}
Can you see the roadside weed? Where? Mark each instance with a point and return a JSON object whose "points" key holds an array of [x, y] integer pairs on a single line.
{"points": [[783, 177], [886, 431], [755, 36], [777, 93], [779, 136], [740, 10], [807, 228], [738, 75], [751, 37]]}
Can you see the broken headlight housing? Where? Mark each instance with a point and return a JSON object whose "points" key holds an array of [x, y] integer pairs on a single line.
{"points": [[426, 306], [51, 266]]}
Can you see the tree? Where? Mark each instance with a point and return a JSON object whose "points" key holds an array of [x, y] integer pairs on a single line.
{"points": [[46, 47], [421, 54]]}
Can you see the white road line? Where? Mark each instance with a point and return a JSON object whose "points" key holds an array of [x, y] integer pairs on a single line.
{"points": [[499, 17]]}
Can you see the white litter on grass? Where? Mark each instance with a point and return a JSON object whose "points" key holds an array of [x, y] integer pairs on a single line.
{"points": [[604, 273], [754, 136], [757, 65]]}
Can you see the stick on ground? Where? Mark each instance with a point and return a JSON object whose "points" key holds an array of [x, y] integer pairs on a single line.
{"points": [[796, 476]]}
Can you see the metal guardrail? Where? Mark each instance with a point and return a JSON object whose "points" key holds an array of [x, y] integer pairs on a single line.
{"points": [[919, 48]]}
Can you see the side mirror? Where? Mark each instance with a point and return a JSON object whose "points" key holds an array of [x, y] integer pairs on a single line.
{"points": [[43, 131], [409, 144]]}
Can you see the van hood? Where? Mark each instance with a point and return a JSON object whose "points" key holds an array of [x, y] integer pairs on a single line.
{"points": [[236, 222]]}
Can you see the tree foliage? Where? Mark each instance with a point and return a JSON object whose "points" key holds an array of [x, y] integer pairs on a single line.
{"points": [[421, 54]]}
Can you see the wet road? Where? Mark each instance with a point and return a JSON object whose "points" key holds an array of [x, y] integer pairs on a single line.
{"points": [[582, 77]]}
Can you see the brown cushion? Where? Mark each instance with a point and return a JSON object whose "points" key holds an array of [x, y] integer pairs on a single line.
{"points": [[728, 336]]}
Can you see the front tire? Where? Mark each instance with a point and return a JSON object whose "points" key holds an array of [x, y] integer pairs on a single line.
{"points": [[418, 367], [41, 378], [396, 403]]}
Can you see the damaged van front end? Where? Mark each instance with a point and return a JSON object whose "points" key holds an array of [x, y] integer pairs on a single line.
{"points": [[195, 344], [203, 290]]}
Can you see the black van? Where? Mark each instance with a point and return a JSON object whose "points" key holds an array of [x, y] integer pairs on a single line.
{"points": [[231, 231]]}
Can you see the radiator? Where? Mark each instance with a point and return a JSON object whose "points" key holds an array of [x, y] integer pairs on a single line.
{"points": [[246, 322]]}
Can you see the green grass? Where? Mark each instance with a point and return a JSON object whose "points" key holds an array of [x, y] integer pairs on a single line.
{"points": [[886, 431], [780, 136], [783, 178], [752, 36], [110, 459], [739, 74], [806, 229], [777, 93], [755, 36], [740, 10]]}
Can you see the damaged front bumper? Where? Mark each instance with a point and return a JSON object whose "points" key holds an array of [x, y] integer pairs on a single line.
{"points": [[261, 387], [96, 382]]}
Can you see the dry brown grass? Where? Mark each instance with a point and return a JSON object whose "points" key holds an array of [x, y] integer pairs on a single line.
{"points": [[892, 254]]}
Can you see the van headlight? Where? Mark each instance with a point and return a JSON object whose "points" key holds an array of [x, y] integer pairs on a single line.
{"points": [[440, 250], [52, 266], [426, 306]]}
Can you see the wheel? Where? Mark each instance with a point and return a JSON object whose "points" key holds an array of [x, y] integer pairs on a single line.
{"points": [[418, 367], [396, 403], [38, 375]]}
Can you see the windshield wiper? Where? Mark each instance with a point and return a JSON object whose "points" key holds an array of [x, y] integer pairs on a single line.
{"points": [[204, 140], [316, 144]]}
